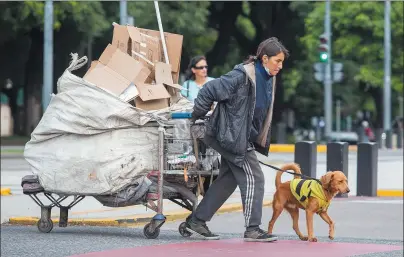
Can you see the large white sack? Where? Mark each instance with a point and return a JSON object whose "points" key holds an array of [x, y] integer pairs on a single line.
{"points": [[90, 142]]}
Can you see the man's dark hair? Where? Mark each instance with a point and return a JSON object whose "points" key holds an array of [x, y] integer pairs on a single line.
{"points": [[270, 47]]}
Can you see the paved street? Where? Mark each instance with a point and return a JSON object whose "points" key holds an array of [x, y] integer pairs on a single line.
{"points": [[13, 168], [367, 227], [371, 226], [117, 166]]}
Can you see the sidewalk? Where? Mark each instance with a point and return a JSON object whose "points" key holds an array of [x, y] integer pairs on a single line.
{"points": [[91, 212], [22, 210]]}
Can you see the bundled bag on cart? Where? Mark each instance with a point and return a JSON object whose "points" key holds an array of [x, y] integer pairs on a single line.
{"points": [[92, 142]]}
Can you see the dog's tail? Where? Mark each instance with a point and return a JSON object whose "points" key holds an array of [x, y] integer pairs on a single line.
{"points": [[291, 166]]}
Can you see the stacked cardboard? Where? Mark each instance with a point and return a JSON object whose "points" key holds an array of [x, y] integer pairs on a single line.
{"points": [[133, 68]]}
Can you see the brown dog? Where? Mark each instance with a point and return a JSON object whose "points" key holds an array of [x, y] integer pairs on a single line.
{"points": [[309, 195]]}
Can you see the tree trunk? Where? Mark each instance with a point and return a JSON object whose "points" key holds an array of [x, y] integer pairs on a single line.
{"points": [[377, 95], [33, 82], [14, 55], [12, 95], [279, 103], [227, 17]]}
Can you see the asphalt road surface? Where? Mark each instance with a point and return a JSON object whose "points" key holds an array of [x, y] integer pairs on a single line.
{"points": [[364, 227], [390, 165], [13, 168]]}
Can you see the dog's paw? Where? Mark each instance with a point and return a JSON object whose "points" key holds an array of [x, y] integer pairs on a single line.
{"points": [[304, 238], [312, 239], [331, 237]]}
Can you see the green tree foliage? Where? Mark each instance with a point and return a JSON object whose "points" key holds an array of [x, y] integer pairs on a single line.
{"points": [[20, 17], [21, 45], [226, 32], [358, 37]]}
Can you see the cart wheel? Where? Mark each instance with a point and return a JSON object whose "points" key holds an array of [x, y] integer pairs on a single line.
{"points": [[45, 226], [183, 231], [150, 234]]}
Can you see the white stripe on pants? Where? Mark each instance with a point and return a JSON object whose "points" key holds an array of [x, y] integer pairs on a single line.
{"points": [[250, 191], [251, 182]]}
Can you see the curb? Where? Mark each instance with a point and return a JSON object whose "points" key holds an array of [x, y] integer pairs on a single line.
{"points": [[290, 148], [135, 221], [390, 193], [5, 191]]}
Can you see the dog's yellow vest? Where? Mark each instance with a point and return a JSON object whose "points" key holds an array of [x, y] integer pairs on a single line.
{"points": [[302, 189]]}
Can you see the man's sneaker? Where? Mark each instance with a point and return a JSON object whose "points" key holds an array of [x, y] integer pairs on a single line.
{"points": [[259, 235], [201, 229]]}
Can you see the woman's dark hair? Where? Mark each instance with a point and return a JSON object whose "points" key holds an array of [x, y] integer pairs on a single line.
{"points": [[270, 47], [192, 64]]}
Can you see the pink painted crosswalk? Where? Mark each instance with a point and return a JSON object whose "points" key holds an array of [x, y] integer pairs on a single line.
{"points": [[239, 248]]}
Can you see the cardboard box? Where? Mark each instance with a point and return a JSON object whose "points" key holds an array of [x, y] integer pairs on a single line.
{"points": [[142, 47], [135, 59], [174, 47], [92, 66], [146, 46], [115, 71], [174, 50], [152, 97], [163, 76], [155, 97]]}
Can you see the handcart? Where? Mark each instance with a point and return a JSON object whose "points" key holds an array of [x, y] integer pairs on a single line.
{"points": [[178, 179]]}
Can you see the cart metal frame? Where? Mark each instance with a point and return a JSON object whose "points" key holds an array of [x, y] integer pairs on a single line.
{"points": [[152, 229]]}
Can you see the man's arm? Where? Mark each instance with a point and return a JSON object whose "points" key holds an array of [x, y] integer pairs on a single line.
{"points": [[217, 90]]}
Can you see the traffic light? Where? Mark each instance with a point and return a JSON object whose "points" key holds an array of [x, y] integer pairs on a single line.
{"points": [[323, 48]]}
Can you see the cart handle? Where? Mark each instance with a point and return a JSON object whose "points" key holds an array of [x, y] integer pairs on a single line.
{"points": [[186, 115], [181, 115]]}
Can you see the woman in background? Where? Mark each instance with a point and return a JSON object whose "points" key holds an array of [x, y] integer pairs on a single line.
{"points": [[196, 76]]}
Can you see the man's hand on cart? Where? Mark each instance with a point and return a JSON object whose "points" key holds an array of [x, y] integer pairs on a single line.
{"points": [[193, 117]]}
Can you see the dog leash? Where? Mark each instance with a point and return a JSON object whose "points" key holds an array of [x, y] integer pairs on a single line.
{"points": [[292, 173]]}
